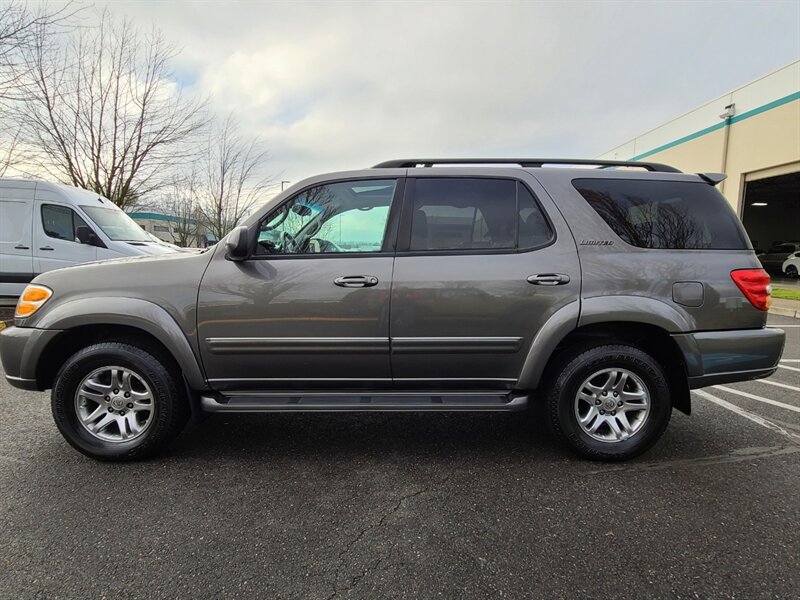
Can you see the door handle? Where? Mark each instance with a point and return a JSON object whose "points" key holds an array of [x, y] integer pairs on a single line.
{"points": [[356, 281], [46, 248], [21, 247], [549, 279]]}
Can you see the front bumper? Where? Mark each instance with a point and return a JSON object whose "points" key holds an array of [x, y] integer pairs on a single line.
{"points": [[714, 357], [21, 350]]}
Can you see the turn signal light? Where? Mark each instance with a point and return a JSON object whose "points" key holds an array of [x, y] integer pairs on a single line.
{"points": [[754, 284], [31, 300]]}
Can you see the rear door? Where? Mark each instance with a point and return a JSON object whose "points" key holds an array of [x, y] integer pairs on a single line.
{"points": [[482, 263], [16, 255]]}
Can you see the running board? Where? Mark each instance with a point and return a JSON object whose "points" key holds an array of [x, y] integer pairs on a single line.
{"points": [[382, 402]]}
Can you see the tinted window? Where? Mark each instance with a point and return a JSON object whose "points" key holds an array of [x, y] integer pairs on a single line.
{"points": [[475, 214], [338, 217], [533, 227], [665, 214], [61, 222]]}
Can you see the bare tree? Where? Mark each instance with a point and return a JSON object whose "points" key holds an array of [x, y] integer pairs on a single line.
{"points": [[102, 112], [232, 178], [9, 154], [180, 202], [19, 30]]}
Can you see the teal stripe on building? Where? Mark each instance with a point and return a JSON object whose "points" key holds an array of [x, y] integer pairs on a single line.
{"points": [[720, 125]]}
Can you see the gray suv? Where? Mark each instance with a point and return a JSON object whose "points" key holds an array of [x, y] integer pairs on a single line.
{"points": [[596, 296]]}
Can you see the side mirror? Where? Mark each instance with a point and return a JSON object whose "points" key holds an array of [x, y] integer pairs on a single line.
{"points": [[85, 235], [237, 246]]}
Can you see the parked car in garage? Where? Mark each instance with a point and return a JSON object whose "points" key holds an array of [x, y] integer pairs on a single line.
{"points": [[773, 259], [791, 266], [46, 226], [595, 297]]}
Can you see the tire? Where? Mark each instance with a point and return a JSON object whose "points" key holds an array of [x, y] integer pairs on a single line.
{"points": [[137, 414], [576, 389], [791, 271]]}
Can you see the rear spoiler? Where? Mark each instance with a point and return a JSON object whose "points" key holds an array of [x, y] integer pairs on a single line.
{"points": [[713, 178]]}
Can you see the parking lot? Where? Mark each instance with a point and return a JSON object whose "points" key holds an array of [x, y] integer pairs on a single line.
{"points": [[415, 506]]}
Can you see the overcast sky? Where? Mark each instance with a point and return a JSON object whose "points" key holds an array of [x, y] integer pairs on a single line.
{"points": [[335, 86]]}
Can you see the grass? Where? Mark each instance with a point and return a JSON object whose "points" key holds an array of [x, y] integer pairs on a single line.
{"points": [[785, 294]]}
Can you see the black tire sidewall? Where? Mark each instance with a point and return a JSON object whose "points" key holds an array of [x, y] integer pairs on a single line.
{"points": [[166, 395], [562, 397]]}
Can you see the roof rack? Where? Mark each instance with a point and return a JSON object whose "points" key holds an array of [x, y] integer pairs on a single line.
{"points": [[408, 163]]}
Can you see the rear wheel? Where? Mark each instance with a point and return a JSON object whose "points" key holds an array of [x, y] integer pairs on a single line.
{"points": [[609, 402], [118, 401]]}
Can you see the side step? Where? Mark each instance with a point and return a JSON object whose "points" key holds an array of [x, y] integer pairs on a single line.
{"points": [[386, 402]]}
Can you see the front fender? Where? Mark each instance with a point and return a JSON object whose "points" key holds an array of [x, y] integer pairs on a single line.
{"points": [[131, 312]]}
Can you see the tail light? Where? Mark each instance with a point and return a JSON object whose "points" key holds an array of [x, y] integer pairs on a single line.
{"points": [[754, 284]]}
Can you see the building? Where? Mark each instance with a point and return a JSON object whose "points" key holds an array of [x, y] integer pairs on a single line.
{"points": [[169, 229], [753, 135]]}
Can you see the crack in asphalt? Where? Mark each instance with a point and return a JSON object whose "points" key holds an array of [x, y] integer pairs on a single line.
{"points": [[355, 579]]}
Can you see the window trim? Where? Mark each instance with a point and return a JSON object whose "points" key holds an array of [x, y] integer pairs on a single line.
{"points": [[74, 212], [404, 235], [389, 233]]}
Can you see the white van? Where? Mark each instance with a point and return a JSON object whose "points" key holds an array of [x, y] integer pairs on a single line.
{"points": [[45, 226]]}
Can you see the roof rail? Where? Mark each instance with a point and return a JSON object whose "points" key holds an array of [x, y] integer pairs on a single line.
{"points": [[523, 162]]}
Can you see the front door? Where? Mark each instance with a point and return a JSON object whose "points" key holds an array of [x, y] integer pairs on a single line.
{"points": [[58, 237], [310, 308], [480, 268]]}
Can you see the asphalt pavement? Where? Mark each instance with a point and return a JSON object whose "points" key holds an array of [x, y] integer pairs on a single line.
{"points": [[411, 506]]}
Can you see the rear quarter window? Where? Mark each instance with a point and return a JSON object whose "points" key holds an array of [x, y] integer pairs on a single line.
{"points": [[665, 214]]}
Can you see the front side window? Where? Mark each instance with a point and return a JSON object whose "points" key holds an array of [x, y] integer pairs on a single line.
{"points": [[63, 223], [347, 217], [665, 214], [475, 214]]}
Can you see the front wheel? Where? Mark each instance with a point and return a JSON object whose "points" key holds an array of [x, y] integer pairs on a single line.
{"points": [[791, 271], [609, 402], [117, 401]]}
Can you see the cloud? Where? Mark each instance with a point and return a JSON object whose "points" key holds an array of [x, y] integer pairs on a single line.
{"points": [[345, 85]]}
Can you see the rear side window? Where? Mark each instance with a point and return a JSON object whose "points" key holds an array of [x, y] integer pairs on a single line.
{"points": [[665, 214], [475, 214]]}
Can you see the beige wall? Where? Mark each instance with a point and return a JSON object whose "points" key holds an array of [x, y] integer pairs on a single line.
{"points": [[764, 141]]}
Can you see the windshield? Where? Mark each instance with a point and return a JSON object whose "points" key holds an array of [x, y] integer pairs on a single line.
{"points": [[118, 226]]}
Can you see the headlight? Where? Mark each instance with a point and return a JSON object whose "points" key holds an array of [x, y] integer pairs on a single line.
{"points": [[31, 300]]}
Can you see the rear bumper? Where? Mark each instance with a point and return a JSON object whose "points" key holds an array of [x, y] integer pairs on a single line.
{"points": [[20, 352], [714, 357]]}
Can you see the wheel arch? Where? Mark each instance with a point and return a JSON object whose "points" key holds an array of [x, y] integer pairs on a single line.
{"points": [[651, 338], [86, 321]]}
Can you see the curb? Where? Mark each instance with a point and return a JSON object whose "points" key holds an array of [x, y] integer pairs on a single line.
{"points": [[785, 312]]}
